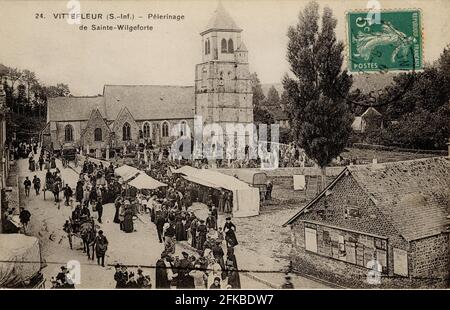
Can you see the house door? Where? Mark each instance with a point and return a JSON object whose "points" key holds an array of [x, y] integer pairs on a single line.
{"points": [[311, 239]]}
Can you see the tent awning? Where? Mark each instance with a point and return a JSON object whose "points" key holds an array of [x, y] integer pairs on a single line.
{"points": [[126, 172], [20, 259], [211, 178], [144, 181]]}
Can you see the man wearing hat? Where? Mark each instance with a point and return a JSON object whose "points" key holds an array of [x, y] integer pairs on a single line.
{"points": [[161, 277], [119, 277], [101, 246]]}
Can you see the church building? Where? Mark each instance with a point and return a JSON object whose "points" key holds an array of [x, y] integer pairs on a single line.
{"points": [[133, 114]]}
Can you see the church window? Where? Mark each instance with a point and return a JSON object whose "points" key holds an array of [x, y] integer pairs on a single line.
{"points": [[126, 132], [68, 133], [207, 47], [230, 46], [224, 46], [165, 129], [183, 126], [146, 130], [98, 134]]}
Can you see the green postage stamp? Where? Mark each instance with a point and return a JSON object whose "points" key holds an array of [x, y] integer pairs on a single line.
{"points": [[393, 41]]}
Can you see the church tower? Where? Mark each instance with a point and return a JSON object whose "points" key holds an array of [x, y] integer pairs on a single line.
{"points": [[223, 90]]}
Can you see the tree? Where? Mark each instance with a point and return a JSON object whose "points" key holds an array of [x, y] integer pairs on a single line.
{"points": [[260, 115], [258, 94], [13, 75], [60, 90], [273, 98], [30, 80], [419, 119], [316, 94]]}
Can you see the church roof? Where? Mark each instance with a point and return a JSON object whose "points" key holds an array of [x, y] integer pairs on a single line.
{"points": [[61, 109], [146, 102], [221, 20]]}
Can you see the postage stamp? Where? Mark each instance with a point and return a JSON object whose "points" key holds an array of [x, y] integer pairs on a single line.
{"points": [[392, 42]]}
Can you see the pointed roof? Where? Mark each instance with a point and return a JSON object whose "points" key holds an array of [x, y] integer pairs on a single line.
{"points": [[413, 194], [242, 47], [222, 21]]}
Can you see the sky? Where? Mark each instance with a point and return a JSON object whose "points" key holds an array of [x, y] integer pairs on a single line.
{"points": [[58, 52]]}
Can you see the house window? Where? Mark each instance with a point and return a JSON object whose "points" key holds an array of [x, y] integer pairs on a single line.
{"points": [[98, 134], [351, 247], [400, 262], [126, 132], [68, 133], [223, 46], [165, 129], [352, 212], [146, 129], [230, 46], [311, 239]]}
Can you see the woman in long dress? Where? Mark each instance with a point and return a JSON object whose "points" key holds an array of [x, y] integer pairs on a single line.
{"points": [[117, 204], [128, 220]]}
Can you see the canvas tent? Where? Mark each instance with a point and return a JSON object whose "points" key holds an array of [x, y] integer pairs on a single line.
{"points": [[253, 178], [144, 181], [245, 197], [126, 172], [20, 259]]}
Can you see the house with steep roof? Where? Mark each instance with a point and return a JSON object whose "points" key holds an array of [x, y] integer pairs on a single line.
{"points": [[371, 118], [379, 225], [136, 114]]}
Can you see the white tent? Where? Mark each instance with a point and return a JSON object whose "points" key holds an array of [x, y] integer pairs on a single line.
{"points": [[20, 259], [245, 197], [144, 181], [126, 172]]}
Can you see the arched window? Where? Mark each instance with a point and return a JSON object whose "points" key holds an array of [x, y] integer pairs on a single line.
{"points": [[183, 128], [207, 47], [223, 46], [165, 129], [230, 46], [126, 132], [68, 133], [146, 129], [98, 136]]}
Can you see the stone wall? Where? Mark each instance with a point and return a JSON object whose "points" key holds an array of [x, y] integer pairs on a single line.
{"points": [[430, 257], [88, 137]]}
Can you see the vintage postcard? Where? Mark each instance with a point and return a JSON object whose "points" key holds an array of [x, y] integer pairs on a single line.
{"points": [[225, 144]]}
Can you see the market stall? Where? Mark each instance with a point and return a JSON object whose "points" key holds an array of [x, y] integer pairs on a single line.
{"points": [[245, 198], [126, 172], [20, 262], [144, 181]]}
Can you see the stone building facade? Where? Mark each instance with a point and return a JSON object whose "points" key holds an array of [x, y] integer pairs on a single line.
{"points": [[389, 218], [134, 114], [223, 90]]}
